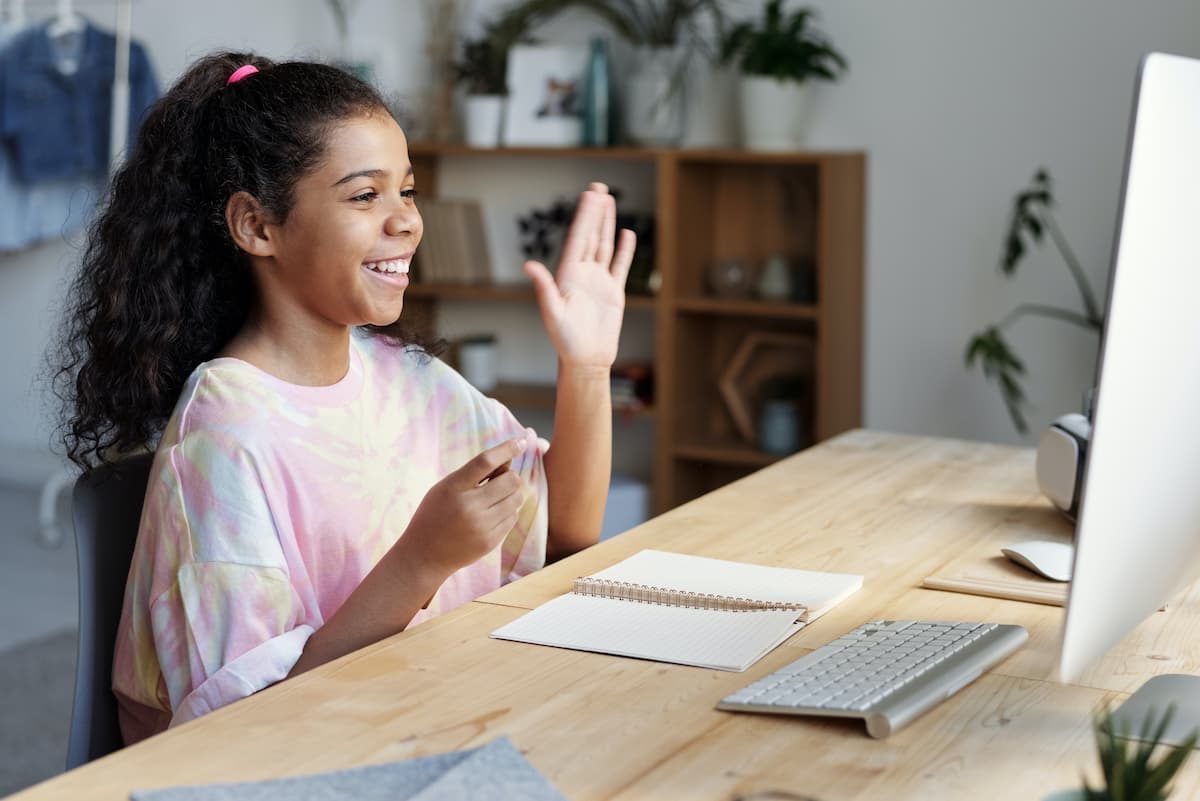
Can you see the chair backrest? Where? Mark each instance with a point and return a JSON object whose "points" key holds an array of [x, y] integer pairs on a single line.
{"points": [[107, 510]]}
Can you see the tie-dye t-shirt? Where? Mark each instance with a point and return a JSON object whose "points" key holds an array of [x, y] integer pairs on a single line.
{"points": [[269, 502]]}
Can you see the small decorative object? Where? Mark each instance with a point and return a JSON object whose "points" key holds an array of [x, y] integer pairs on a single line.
{"points": [[775, 282], [762, 355], [654, 103], [1031, 217], [597, 97], [632, 386], [730, 278], [643, 278], [1128, 771], [541, 230], [777, 59], [482, 69], [779, 427], [545, 104], [477, 361], [667, 34]]}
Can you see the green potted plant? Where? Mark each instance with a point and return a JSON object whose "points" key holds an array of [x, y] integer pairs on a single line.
{"points": [[482, 71], [1032, 217], [777, 58], [1137, 768]]}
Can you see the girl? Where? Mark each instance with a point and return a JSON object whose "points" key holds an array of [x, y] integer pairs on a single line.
{"points": [[320, 481]]}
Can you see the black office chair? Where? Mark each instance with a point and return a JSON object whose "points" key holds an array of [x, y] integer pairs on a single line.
{"points": [[107, 510]]}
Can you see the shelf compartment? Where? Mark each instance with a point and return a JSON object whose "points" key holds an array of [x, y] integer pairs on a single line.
{"points": [[507, 293], [522, 395], [747, 308], [434, 149], [725, 452]]}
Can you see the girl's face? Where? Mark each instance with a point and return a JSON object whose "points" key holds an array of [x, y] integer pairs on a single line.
{"points": [[342, 256]]}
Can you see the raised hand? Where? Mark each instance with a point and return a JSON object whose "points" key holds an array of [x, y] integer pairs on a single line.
{"points": [[582, 306], [469, 512]]}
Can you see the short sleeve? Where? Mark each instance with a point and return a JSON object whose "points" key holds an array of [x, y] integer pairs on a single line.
{"points": [[225, 620], [224, 632]]}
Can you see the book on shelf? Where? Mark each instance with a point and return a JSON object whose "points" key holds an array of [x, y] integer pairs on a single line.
{"points": [[454, 247], [689, 610]]}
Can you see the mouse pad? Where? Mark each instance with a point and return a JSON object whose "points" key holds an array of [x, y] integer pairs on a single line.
{"points": [[996, 577], [982, 570]]}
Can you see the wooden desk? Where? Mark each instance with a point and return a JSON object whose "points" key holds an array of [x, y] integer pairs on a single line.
{"points": [[892, 508]]}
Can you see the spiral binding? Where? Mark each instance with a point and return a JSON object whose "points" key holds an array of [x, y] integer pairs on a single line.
{"points": [[644, 593]]}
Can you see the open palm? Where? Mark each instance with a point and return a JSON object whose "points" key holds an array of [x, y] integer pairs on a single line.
{"points": [[582, 306]]}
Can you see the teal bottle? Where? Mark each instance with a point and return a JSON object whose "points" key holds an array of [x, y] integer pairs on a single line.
{"points": [[597, 97]]}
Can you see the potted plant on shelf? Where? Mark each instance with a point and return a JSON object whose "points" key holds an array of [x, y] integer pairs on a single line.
{"points": [[482, 71], [777, 59]]}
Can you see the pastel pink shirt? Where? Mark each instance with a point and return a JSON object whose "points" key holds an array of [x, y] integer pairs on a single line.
{"points": [[269, 502]]}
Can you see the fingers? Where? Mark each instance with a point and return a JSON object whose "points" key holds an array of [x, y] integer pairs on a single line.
{"points": [[546, 289], [495, 459], [583, 236], [608, 230], [624, 257]]}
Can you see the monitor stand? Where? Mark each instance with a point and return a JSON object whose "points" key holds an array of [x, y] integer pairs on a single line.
{"points": [[1172, 689]]}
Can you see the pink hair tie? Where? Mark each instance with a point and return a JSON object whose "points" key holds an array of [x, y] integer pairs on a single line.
{"points": [[241, 72]]}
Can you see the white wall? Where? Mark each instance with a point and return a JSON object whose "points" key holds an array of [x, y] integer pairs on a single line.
{"points": [[956, 104]]}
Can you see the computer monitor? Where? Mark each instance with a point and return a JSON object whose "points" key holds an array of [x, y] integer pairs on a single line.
{"points": [[1138, 534]]}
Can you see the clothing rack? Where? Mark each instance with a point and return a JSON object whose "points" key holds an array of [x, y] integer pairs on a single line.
{"points": [[51, 529], [68, 20]]}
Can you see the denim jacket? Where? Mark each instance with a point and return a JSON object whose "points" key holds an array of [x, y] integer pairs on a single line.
{"points": [[57, 125]]}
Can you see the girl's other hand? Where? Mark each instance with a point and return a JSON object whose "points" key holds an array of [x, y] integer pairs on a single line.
{"points": [[583, 304], [468, 513]]}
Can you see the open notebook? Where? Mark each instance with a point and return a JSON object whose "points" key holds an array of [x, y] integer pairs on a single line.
{"points": [[691, 610]]}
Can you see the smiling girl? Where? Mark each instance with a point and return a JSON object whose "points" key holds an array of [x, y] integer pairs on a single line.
{"points": [[321, 480]]}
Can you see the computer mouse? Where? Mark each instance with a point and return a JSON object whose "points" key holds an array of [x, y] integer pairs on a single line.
{"points": [[1044, 557]]}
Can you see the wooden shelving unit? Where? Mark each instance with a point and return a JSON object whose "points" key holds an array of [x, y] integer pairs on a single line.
{"points": [[715, 205]]}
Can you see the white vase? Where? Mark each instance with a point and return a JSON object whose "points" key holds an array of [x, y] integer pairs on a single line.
{"points": [[774, 113], [482, 118], [654, 98], [712, 114]]}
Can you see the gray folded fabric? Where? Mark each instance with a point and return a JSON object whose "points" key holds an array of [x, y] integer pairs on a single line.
{"points": [[496, 770]]}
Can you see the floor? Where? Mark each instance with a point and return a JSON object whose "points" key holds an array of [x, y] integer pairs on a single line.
{"points": [[37, 583], [38, 616]]}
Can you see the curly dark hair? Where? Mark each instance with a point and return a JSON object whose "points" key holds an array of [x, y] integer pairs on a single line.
{"points": [[162, 287]]}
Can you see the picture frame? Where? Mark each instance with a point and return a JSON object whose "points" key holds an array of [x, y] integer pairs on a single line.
{"points": [[545, 96]]}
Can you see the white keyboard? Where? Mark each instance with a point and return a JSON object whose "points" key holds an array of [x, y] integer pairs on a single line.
{"points": [[887, 672]]}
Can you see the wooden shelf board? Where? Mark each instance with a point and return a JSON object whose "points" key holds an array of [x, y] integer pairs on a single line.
{"points": [[747, 308], [509, 293], [633, 153], [735, 156], [730, 452], [517, 394], [519, 293], [607, 153]]}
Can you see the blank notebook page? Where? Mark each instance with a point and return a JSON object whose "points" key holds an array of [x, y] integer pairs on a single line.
{"points": [[702, 637]]}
